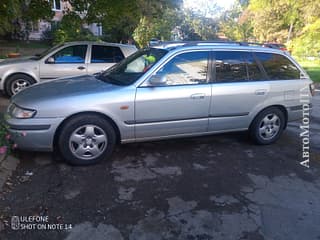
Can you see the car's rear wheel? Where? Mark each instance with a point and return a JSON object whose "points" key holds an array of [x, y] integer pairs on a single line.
{"points": [[86, 139], [17, 82], [268, 125]]}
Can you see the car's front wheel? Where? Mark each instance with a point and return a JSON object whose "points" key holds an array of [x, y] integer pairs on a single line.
{"points": [[16, 83], [86, 139], [267, 127]]}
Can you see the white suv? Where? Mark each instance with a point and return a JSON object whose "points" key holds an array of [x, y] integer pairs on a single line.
{"points": [[68, 59]]}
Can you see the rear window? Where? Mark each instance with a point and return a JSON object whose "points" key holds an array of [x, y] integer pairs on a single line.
{"points": [[233, 66], [278, 67], [106, 54]]}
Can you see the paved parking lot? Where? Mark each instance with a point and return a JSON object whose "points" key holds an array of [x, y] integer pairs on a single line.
{"points": [[217, 187]]}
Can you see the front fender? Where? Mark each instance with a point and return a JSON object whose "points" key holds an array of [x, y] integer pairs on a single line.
{"points": [[32, 71]]}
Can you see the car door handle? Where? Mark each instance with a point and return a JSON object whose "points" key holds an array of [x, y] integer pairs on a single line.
{"points": [[81, 68], [261, 92], [198, 96]]}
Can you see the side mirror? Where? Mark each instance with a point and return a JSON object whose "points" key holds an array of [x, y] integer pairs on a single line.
{"points": [[50, 60], [158, 80]]}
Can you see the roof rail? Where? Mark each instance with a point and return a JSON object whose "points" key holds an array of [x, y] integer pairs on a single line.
{"points": [[172, 44]]}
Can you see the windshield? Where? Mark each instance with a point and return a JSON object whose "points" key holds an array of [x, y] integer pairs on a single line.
{"points": [[132, 68], [41, 55]]}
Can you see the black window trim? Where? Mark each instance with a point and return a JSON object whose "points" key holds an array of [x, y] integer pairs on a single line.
{"points": [[265, 76], [275, 53], [85, 57]]}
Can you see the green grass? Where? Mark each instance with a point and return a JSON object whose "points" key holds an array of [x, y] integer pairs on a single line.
{"points": [[312, 68], [22, 47], [314, 73]]}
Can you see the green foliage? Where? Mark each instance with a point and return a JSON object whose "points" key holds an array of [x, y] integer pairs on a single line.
{"points": [[6, 139], [236, 24], [16, 15], [282, 20], [160, 28], [312, 67], [37, 9], [176, 24], [71, 29], [295, 22], [59, 36], [308, 43], [198, 27], [119, 18], [314, 73], [8, 10], [144, 32]]}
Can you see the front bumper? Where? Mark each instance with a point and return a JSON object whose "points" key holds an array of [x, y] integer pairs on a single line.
{"points": [[34, 134]]}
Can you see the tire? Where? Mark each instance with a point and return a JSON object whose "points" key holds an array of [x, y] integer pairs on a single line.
{"points": [[17, 82], [267, 126], [86, 139]]}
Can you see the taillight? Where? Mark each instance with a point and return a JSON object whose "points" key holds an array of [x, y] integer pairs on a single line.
{"points": [[312, 89], [283, 49]]}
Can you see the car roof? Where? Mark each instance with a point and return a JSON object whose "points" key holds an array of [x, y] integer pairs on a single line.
{"points": [[98, 43]]}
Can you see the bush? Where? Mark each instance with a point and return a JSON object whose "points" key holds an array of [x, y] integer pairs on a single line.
{"points": [[6, 139]]}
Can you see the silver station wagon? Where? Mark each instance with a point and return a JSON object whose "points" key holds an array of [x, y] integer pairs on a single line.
{"points": [[169, 91], [68, 59]]}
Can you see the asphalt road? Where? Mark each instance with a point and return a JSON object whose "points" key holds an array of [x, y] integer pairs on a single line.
{"points": [[217, 187]]}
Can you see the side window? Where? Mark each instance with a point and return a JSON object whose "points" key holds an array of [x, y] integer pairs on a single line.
{"points": [[72, 54], [231, 66], [278, 67], [187, 68], [254, 72], [106, 54]]}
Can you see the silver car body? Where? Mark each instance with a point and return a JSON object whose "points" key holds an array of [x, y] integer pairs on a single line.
{"points": [[141, 112], [40, 70]]}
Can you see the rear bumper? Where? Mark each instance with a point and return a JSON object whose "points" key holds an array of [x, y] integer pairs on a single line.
{"points": [[34, 134]]}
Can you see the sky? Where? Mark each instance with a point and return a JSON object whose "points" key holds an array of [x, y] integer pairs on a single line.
{"points": [[202, 5]]}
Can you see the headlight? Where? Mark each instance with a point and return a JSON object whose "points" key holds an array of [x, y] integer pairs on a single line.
{"points": [[18, 112]]}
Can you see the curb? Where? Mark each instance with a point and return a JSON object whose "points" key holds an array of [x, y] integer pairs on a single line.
{"points": [[7, 165]]}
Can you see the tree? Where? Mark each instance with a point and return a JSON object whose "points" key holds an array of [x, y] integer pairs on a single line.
{"points": [[236, 23], [295, 22], [308, 43], [17, 15], [276, 20], [8, 10], [119, 18]]}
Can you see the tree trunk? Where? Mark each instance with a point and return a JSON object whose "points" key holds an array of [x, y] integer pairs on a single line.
{"points": [[290, 31]]}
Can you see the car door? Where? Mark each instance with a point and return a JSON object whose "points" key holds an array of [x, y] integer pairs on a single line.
{"points": [[178, 106], [103, 57], [239, 87], [68, 61]]}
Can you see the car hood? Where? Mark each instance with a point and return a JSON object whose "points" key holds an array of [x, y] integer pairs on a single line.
{"points": [[60, 90], [10, 61]]}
